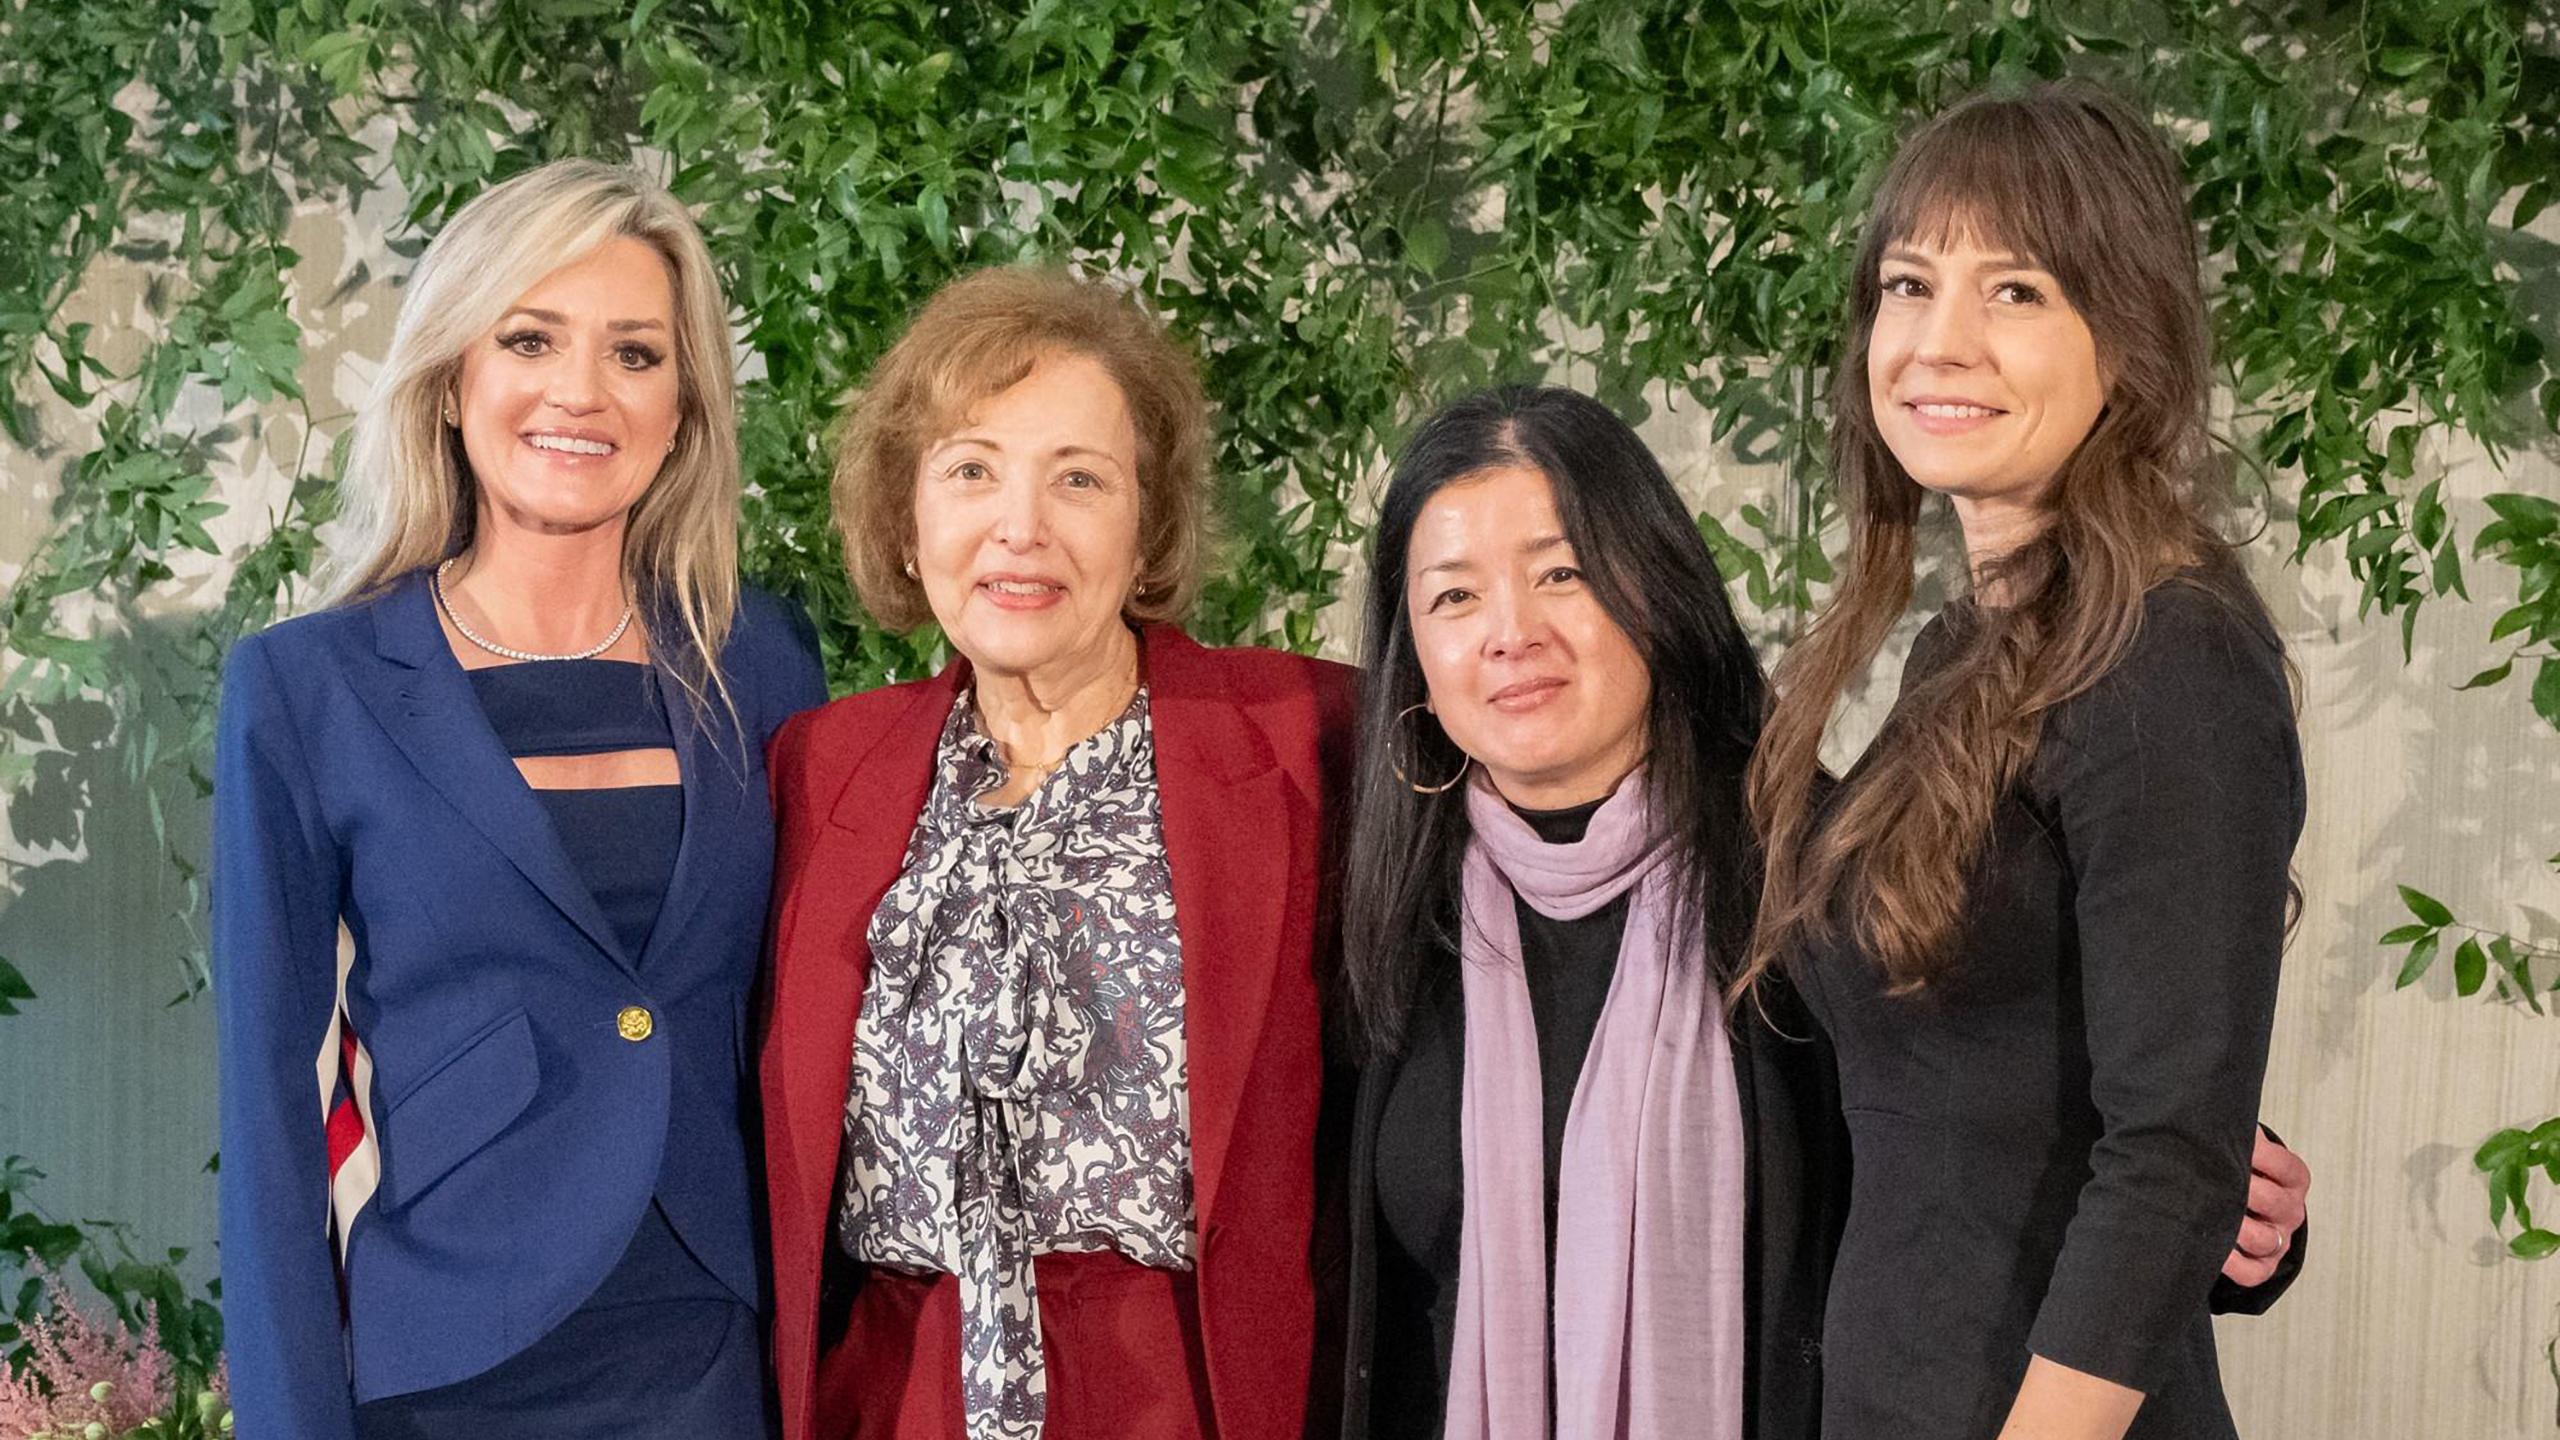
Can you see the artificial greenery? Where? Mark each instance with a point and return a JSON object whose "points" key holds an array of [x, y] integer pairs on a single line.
{"points": [[1350, 209]]}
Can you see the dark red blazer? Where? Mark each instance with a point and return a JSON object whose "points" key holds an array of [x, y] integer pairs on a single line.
{"points": [[1252, 759]]}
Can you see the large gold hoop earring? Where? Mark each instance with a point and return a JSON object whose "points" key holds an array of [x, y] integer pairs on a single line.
{"points": [[1397, 761]]}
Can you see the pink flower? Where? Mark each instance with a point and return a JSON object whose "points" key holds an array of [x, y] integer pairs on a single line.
{"points": [[82, 1372]]}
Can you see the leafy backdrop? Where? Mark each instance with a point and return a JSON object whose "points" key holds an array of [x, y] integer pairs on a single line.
{"points": [[1350, 208]]}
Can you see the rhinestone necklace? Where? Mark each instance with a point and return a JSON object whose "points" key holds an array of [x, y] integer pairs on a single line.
{"points": [[436, 583]]}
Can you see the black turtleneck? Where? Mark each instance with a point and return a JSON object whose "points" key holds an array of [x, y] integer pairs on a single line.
{"points": [[1420, 1194], [1570, 964]]}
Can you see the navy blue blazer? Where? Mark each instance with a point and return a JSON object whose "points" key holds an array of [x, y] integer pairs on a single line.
{"points": [[524, 1112]]}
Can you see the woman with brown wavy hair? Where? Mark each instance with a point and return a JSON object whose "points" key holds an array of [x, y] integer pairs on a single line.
{"points": [[2041, 918]]}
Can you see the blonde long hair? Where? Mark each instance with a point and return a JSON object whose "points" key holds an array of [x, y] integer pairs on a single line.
{"points": [[409, 499]]}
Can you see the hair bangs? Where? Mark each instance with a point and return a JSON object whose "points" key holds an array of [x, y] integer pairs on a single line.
{"points": [[978, 366], [2080, 184], [1985, 178]]}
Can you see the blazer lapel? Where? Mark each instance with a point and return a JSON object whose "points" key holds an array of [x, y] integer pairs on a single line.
{"points": [[424, 701], [1230, 822], [1230, 829], [823, 946]]}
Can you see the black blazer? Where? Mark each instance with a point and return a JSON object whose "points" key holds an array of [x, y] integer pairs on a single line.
{"points": [[1796, 1199]]}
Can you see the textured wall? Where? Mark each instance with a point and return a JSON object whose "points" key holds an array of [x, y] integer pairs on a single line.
{"points": [[104, 1083], [2408, 1323]]}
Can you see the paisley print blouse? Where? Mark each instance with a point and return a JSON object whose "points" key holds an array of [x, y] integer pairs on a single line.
{"points": [[1018, 1065]]}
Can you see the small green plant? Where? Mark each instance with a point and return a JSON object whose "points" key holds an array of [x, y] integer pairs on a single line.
{"points": [[146, 1296], [2481, 958], [2502, 966], [2509, 1160]]}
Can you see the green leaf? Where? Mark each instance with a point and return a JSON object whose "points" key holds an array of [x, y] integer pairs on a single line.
{"points": [[2426, 907], [13, 987], [2518, 969], [2529, 205], [2446, 578], [1426, 244], [2376, 541], [2500, 1148], [340, 59], [2490, 676], [2530, 517], [2470, 968], [2535, 1244], [935, 212], [2405, 934], [2421, 956], [2403, 459], [2546, 692], [2426, 513], [2338, 518]]}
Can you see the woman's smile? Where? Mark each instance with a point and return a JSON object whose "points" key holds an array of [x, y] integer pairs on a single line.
{"points": [[1521, 697]]}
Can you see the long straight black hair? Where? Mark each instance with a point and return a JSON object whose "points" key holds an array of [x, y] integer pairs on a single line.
{"points": [[1640, 552]]}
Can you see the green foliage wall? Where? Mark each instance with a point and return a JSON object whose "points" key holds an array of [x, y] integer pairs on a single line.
{"points": [[1351, 209]]}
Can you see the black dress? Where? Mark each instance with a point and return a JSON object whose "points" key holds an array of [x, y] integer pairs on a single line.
{"points": [[2051, 1146], [662, 1348]]}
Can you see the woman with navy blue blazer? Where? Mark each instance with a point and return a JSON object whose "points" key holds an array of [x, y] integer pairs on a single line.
{"points": [[493, 848]]}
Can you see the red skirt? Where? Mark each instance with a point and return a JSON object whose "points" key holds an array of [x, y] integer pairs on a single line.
{"points": [[1121, 1342]]}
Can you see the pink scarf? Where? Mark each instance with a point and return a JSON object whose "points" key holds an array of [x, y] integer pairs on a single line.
{"points": [[1648, 1304]]}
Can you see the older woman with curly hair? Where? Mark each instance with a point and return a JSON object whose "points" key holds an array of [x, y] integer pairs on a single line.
{"points": [[1044, 921]]}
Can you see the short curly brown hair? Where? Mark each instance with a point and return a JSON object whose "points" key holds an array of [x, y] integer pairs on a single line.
{"points": [[981, 334]]}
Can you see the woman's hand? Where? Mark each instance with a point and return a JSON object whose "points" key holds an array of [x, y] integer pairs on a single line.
{"points": [[2279, 1193]]}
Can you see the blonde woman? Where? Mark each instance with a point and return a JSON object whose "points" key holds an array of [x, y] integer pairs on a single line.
{"points": [[493, 855]]}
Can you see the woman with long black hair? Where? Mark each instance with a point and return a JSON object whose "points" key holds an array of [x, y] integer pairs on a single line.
{"points": [[1543, 624]]}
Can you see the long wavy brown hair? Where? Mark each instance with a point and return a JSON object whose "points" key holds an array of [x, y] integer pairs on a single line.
{"points": [[2082, 185]]}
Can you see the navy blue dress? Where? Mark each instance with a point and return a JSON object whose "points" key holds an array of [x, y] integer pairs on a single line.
{"points": [[662, 1348]]}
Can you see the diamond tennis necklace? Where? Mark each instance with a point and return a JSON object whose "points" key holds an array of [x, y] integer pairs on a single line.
{"points": [[436, 583]]}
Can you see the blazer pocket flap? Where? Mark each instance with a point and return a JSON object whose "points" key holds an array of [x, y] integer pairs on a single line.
{"points": [[462, 1105]]}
